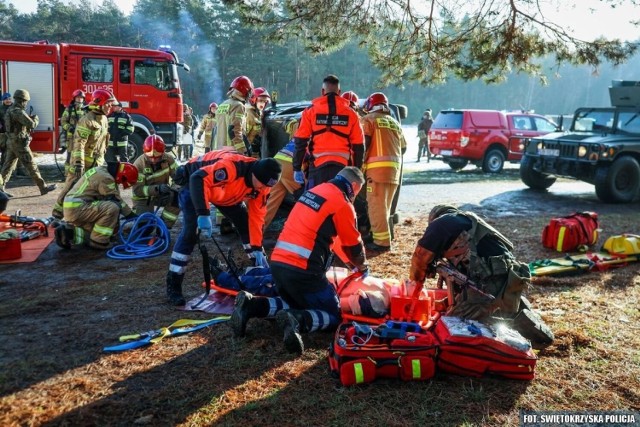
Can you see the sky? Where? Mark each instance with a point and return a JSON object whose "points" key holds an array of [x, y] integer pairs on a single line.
{"points": [[612, 23]]}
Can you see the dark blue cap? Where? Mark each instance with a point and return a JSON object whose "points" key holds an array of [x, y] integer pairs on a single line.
{"points": [[6, 95]]}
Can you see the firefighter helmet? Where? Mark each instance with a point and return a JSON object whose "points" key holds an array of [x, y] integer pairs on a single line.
{"points": [[100, 97], [21, 94], [76, 93], [212, 105], [376, 99], [127, 174], [243, 85], [154, 147], [351, 97], [259, 92]]}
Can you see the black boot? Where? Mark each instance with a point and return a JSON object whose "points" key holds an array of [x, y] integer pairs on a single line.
{"points": [[174, 288], [291, 322], [64, 235], [241, 313]]}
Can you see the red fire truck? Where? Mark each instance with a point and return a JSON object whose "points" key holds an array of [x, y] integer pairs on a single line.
{"points": [[145, 81]]}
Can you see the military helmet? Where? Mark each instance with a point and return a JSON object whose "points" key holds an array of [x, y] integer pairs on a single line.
{"points": [[21, 94], [440, 210]]}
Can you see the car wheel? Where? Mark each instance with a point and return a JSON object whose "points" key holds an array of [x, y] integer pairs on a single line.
{"points": [[493, 161], [457, 164], [532, 178], [620, 182], [134, 147]]}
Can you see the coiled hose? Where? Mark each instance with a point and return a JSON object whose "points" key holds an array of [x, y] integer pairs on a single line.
{"points": [[149, 237]]}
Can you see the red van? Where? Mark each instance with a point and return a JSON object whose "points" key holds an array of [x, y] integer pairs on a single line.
{"points": [[486, 138]]}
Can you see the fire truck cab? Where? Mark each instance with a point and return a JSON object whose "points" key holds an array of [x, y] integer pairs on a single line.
{"points": [[145, 81]]}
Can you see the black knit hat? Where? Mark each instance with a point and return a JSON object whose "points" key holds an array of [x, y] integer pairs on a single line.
{"points": [[267, 171]]}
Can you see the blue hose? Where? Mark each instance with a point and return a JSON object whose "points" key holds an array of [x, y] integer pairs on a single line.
{"points": [[149, 237]]}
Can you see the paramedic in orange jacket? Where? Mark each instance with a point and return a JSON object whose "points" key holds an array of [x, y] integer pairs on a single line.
{"points": [[323, 220], [236, 185], [331, 133], [385, 145]]}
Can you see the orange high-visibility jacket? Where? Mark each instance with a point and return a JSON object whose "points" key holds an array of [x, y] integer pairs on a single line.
{"points": [[321, 220], [227, 182], [330, 130]]}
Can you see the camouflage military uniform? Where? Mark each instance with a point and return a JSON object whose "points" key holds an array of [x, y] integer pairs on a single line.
{"points": [[19, 127], [88, 148], [146, 193], [206, 127], [68, 121]]}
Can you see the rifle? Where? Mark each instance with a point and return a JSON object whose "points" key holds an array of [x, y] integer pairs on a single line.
{"points": [[456, 281]]}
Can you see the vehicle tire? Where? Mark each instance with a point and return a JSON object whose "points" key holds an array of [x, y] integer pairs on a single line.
{"points": [[532, 178], [457, 164], [493, 161], [134, 147], [620, 182]]}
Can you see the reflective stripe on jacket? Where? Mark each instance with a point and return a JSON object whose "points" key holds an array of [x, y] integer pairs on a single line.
{"points": [[385, 144]]}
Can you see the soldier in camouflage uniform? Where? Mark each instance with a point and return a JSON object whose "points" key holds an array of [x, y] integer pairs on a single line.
{"points": [[207, 125], [19, 127], [187, 124], [7, 102], [231, 117], [156, 170], [89, 143]]}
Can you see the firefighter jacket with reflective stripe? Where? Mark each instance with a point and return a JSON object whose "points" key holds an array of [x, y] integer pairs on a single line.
{"points": [[286, 153], [207, 125], [228, 182], [330, 130], [254, 126], [96, 184], [120, 127], [90, 139], [322, 220], [70, 118], [385, 144], [230, 125], [151, 175]]}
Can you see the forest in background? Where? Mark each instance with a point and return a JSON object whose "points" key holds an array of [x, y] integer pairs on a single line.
{"points": [[210, 38]]}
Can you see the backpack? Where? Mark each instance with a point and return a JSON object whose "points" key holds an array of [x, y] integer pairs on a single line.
{"points": [[570, 232]]}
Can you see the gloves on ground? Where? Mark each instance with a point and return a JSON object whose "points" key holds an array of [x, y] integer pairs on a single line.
{"points": [[205, 225], [261, 259], [298, 176]]}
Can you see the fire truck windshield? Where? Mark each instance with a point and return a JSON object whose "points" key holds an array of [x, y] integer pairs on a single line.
{"points": [[156, 73]]}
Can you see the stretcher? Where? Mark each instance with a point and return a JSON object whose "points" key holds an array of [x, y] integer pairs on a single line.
{"points": [[580, 263]]}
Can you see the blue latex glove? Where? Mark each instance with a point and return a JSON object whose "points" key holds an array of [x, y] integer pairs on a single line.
{"points": [[204, 225], [298, 176], [261, 259]]}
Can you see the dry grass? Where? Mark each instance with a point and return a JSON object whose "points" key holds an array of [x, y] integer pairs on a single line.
{"points": [[56, 322]]}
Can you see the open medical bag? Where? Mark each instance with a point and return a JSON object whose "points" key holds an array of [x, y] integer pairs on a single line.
{"points": [[361, 353], [471, 348]]}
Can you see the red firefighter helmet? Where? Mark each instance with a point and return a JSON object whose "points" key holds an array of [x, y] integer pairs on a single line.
{"points": [[100, 97], [257, 93], [78, 92], [351, 97], [213, 104], [243, 85], [376, 99], [127, 174], [154, 147]]}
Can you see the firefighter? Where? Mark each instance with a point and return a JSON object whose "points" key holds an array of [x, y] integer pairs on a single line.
{"points": [[120, 127], [238, 186], [19, 127], [385, 145], [187, 123], [257, 104], [478, 251], [323, 220], [93, 207], [206, 127], [156, 170], [330, 132], [70, 117], [354, 101], [231, 117], [423, 135], [286, 184], [89, 143]]}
